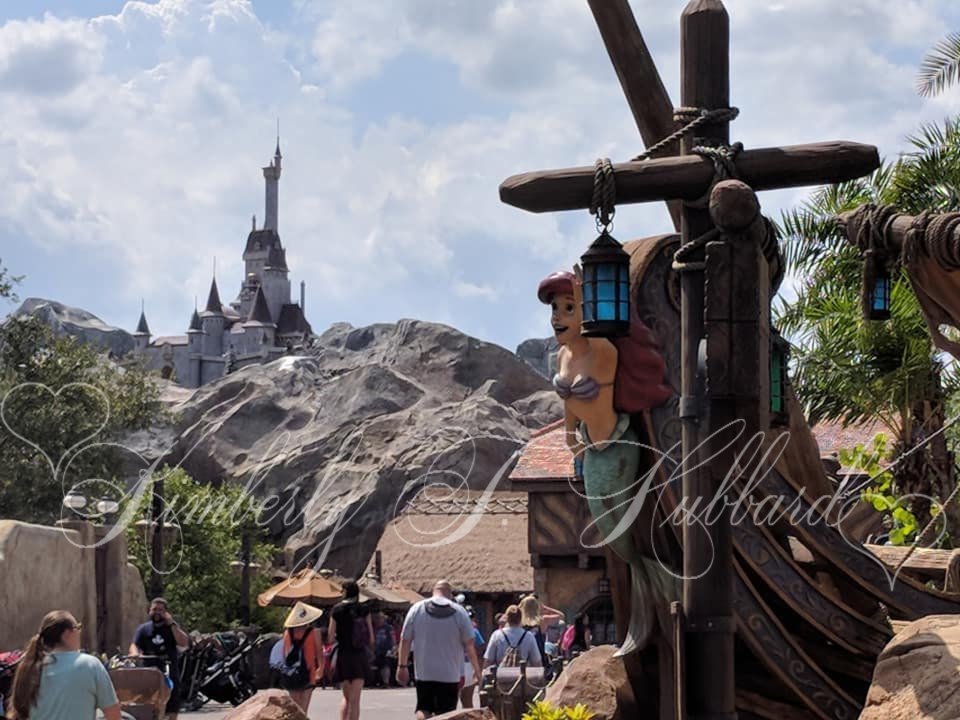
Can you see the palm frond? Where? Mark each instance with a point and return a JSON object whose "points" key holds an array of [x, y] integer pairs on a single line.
{"points": [[941, 67]]}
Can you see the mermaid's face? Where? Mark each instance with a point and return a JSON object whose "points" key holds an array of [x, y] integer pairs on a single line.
{"points": [[566, 316]]}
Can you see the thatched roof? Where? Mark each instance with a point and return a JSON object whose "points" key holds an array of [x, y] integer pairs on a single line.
{"points": [[480, 553]]}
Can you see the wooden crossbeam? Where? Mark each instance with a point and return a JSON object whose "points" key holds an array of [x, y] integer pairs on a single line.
{"points": [[687, 178], [642, 86]]}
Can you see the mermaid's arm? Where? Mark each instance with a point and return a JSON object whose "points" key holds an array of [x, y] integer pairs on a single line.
{"points": [[570, 431]]}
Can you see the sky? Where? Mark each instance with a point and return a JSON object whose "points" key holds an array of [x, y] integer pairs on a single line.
{"points": [[134, 134]]}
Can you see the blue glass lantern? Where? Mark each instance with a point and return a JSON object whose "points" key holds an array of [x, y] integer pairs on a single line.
{"points": [[606, 288], [880, 300], [876, 287]]}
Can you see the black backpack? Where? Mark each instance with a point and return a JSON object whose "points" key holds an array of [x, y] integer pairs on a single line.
{"points": [[293, 672]]}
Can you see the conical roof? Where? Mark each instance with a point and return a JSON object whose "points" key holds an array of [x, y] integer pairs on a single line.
{"points": [[195, 321], [213, 300], [142, 325], [260, 312]]}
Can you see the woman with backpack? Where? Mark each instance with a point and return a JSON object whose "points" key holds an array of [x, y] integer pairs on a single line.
{"points": [[302, 665], [512, 644], [352, 627]]}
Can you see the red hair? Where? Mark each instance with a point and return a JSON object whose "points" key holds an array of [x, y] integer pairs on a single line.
{"points": [[557, 283]]}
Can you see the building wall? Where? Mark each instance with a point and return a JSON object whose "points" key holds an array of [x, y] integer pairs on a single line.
{"points": [[51, 568], [567, 589]]}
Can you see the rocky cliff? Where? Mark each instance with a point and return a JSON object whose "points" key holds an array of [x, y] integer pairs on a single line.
{"points": [[338, 439], [84, 326]]}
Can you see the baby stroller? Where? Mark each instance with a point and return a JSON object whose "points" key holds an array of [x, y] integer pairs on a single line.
{"points": [[142, 691], [8, 666]]}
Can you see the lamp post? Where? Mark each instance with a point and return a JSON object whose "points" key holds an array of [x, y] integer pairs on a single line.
{"points": [[156, 544], [108, 508], [74, 500]]}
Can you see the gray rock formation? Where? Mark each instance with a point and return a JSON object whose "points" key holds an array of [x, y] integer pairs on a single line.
{"points": [[540, 354], [84, 326], [340, 438]]}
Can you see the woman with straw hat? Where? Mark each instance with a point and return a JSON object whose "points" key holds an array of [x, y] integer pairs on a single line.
{"points": [[299, 632]]}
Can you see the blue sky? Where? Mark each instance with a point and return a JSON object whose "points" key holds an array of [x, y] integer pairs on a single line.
{"points": [[134, 134]]}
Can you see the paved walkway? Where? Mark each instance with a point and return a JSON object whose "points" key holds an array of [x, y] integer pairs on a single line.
{"points": [[375, 704]]}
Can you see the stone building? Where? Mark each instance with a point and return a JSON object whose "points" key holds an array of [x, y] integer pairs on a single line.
{"points": [[259, 325]]}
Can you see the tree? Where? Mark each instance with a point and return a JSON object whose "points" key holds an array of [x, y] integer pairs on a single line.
{"points": [[7, 283], [199, 581], [851, 369], [63, 406], [941, 67]]}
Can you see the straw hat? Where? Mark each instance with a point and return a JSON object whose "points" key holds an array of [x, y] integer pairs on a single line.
{"points": [[302, 614]]}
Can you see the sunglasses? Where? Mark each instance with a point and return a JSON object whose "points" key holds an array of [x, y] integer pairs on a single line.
{"points": [[77, 626]]}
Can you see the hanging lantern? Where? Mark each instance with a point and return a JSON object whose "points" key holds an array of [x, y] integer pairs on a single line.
{"points": [[875, 288], [779, 360], [606, 288]]}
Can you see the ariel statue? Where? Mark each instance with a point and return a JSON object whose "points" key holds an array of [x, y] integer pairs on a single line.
{"points": [[601, 384]]}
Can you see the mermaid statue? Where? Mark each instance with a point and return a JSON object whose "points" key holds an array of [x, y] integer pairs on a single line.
{"points": [[601, 384]]}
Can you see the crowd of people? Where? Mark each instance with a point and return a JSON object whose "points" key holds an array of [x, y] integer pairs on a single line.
{"points": [[437, 647]]}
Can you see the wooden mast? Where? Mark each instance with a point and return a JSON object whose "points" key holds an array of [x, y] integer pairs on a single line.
{"points": [[707, 547], [644, 90]]}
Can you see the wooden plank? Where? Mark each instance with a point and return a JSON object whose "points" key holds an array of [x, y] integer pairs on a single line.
{"points": [[770, 642], [927, 561], [687, 178], [644, 90]]}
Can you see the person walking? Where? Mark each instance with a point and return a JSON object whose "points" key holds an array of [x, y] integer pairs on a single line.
{"points": [[55, 681], [469, 685], [513, 637], [299, 631], [536, 618], [350, 624], [439, 632], [159, 641]]}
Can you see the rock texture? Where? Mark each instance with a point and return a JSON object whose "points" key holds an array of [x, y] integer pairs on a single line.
{"points": [[268, 705], [540, 354], [916, 674], [84, 326], [598, 680], [341, 438]]}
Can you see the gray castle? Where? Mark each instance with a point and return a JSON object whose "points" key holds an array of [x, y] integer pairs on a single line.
{"points": [[257, 327]]}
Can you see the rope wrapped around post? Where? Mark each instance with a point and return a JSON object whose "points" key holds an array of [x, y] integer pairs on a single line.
{"points": [[603, 204]]}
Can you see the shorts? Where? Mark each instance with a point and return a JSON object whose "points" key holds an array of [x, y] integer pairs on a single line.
{"points": [[434, 698], [468, 677]]}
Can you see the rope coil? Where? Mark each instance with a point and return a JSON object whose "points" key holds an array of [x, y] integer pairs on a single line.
{"points": [[602, 206]]}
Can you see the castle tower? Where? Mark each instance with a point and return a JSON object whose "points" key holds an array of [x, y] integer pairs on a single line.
{"points": [[271, 176], [259, 328], [212, 321], [141, 336], [194, 349]]}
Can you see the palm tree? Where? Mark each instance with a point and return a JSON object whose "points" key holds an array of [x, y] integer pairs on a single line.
{"points": [[941, 67], [852, 369]]}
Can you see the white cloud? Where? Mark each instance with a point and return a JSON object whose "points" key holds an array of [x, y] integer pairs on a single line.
{"points": [[146, 146]]}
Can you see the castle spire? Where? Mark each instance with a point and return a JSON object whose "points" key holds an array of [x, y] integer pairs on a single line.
{"points": [[213, 299], [277, 153], [142, 327]]}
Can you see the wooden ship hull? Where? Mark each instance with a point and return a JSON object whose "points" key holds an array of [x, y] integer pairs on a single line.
{"points": [[813, 608]]}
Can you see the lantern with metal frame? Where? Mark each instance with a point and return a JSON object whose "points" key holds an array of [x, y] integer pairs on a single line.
{"points": [[876, 286], [606, 288]]}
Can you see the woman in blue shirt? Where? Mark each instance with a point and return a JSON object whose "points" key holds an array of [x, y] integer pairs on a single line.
{"points": [[55, 681]]}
